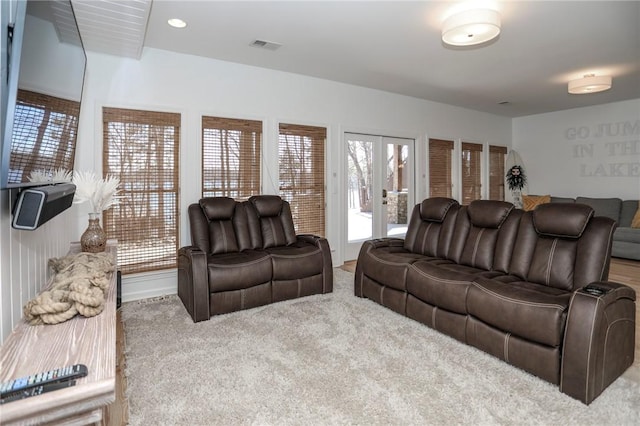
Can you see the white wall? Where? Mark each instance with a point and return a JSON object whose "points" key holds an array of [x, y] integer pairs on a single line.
{"points": [[592, 151], [194, 86], [24, 257]]}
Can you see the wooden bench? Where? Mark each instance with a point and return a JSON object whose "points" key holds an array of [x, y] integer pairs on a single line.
{"points": [[90, 341]]}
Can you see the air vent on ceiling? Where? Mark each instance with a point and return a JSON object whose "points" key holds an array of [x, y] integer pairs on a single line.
{"points": [[263, 44], [504, 103]]}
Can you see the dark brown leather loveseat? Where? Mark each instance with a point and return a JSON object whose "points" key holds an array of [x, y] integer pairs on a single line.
{"points": [[246, 254], [527, 287]]}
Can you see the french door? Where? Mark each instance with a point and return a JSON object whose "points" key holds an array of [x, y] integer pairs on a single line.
{"points": [[380, 194]]}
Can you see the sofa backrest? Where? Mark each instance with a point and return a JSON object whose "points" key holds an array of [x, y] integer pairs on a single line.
{"points": [[431, 227], [629, 209], [563, 246], [484, 235], [270, 221], [608, 207], [219, 225]]}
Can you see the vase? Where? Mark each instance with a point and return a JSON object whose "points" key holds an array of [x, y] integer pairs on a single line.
{"points": [[94, 239]]}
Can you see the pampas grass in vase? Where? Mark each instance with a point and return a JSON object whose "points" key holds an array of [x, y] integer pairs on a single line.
{"points": [[101, 195]]}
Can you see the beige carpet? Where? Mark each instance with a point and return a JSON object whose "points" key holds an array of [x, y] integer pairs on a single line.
{"points": [[334, 359]]}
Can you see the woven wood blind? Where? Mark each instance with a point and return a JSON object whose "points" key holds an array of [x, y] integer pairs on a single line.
{"points": [[44, 134], [471, 172], [440, 155], [141, 148], [230, 157], [301, 155], [497, 156]]}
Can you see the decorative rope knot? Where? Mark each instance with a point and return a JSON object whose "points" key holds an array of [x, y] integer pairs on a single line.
{"points": [[79, 286]]}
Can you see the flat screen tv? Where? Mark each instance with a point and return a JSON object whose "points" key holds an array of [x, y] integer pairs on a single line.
{"points": [[43, 68]]}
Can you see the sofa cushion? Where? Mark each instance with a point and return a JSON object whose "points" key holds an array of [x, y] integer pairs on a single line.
{"points": [[630, 208], [608, 207], [295, 261], [635, 222], [218, 208], [530, 202], [436, 209], [443, 285], [388, 265], [488, 213], [235, 271], [561, 220], [630, 235], [431, 227], [275, 224], [532, 311]]}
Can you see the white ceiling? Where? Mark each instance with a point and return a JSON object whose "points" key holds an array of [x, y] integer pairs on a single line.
{"points": [[395, 46]]}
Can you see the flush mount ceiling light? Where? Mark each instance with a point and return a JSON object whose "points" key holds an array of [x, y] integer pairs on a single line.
{"points": [[590, 83], [177, 23], [471, 27]]}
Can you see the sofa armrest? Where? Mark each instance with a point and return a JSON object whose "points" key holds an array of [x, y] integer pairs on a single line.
{"points": [[599, 339], [193, 286], [327, 264], [364, 249]]}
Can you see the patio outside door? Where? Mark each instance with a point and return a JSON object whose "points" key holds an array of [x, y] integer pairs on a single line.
{"points": [[379, 188]]}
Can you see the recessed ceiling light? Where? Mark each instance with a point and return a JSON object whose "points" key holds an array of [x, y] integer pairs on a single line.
{"points": [[177, 23]]}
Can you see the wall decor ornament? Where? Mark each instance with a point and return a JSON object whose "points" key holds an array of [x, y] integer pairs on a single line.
{"points": [[101, 194], [516, 180]]}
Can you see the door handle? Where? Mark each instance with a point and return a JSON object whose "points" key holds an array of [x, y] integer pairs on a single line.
{"points": [[384, 193]]}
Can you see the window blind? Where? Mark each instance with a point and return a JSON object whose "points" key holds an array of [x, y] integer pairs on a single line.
{"points": [[497, 155], [44, 134], [440, 155], [230, 157], [301, 155], [471, 172], [141, 148]]}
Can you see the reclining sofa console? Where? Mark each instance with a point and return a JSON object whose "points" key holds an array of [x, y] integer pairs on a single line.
{"points": [[246, 254], [527, 287]]}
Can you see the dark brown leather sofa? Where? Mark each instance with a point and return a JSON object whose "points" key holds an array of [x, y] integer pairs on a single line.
{"points": [[246, 254], [527, 287]]}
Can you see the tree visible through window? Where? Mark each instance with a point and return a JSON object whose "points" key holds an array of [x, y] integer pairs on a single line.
{"points": [[141, 148], [301, 155], [230, 157], [44, 135], [471, 172], [440, 155], [497, 156]]}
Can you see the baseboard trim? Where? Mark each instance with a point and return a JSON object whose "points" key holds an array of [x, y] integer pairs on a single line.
{"points": [[149, 284]]}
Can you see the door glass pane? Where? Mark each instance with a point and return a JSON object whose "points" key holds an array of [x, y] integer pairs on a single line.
{"points": [[360, 185], [397, 189]]}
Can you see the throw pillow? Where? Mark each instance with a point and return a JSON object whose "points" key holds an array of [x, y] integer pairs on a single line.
{"points": [[530, 202], [635, 223]]}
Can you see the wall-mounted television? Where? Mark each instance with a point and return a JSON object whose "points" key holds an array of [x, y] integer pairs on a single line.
{"points": [[44, 65]]}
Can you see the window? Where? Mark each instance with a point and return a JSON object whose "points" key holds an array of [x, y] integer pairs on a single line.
{"points": [[471, 172], [44, 134], [141, 148], [497, 155], [230, 157], [440, 155], [301, 155]]}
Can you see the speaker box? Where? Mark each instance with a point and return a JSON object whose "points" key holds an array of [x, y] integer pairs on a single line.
{"points": [[35, 206]]}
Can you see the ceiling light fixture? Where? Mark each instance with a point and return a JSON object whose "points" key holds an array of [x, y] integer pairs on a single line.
{"points": [[590, 83], [471, 27], [177, 23]]}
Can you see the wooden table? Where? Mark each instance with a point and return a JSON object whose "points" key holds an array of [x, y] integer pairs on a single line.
{"points": [[33, 349]]}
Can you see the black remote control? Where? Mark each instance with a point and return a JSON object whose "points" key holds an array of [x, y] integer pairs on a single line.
{"points": [[37, 390], [57, 375], [596, 290]]}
